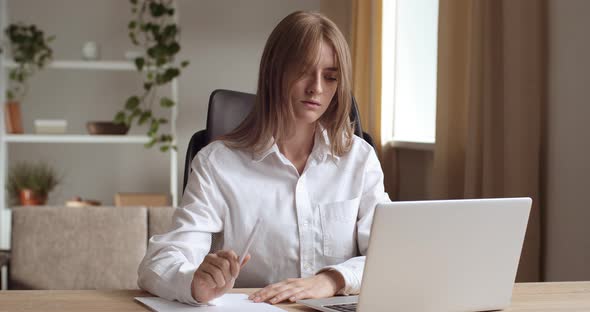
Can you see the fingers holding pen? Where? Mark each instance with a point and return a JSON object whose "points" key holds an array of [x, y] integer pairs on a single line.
{"points": [[232, 259], [216, 275], [204, 279], [219, 268], [246, 259], [214, 272]]}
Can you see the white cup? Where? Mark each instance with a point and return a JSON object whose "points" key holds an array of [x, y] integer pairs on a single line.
{"points": [[90, 51]]}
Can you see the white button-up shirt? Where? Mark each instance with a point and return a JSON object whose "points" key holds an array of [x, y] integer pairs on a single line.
{"points": [[313, 221]]}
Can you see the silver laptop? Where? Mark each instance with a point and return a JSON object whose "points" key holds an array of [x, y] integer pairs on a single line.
{"points": [[451, 255]]}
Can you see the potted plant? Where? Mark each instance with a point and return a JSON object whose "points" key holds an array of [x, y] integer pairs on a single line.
{"points": [[29, 184], [31, 52], [153, 27]]}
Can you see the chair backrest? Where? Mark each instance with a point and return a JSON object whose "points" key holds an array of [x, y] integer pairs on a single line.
{"points": [[227, 109], [77, 248]]}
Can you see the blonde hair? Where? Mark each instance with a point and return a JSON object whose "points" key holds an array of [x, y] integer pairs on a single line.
{"points": [[291, 48]]}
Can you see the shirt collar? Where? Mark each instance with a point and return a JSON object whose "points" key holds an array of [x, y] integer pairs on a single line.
{"points": [[274, 148], [321, 147]]}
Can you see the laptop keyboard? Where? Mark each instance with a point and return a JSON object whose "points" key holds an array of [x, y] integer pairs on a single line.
{"points": [[349, 307]]}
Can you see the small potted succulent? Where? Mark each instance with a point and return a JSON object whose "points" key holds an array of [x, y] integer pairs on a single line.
{"points": [[29, 184], [30, 51]]}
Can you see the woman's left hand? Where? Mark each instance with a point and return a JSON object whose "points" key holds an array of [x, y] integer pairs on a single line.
{"points": [[325, 284]]}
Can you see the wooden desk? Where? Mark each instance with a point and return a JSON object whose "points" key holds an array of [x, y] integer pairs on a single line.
{"points": [[540, 297]]}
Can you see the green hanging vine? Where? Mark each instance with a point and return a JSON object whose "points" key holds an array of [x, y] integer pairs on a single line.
{"points": [[154, 29], [31, 52]]}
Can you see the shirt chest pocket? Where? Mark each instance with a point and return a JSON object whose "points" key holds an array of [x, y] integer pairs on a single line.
{"points": [[339, 228]]}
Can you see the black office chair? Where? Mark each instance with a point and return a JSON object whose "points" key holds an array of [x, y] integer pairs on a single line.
{"points": [[227, 109]]}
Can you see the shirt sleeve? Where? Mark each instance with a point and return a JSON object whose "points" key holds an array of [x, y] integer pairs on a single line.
{"points": [[171, 259], [373, 194]]}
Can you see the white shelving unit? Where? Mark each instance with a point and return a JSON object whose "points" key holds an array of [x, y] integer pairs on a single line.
{"points": [[6, 140], [75, 138], [90, 65]]}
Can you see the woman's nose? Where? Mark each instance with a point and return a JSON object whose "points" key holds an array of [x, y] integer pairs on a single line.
{"points": [[315, 86]]}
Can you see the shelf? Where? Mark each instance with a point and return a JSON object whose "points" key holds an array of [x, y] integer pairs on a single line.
{"points": [[75, 138], [117, 65], [421, 146], [88, 65]]}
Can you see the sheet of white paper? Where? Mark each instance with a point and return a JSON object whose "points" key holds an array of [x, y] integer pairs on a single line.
{"points": [[225, 303]]}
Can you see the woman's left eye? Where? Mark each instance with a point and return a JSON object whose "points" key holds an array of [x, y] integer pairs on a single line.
{"points": [[331, 78]]}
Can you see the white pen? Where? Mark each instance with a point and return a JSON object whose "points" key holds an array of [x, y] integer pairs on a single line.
{"points": [[249, 242]]}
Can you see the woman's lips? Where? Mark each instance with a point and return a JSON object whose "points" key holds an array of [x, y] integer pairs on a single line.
{"points": [[311, 104]]}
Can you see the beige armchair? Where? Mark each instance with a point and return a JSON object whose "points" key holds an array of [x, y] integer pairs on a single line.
{"points": [[82, 247]]}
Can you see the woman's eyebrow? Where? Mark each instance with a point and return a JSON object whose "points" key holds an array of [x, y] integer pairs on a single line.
{"points": [[331, 68]]}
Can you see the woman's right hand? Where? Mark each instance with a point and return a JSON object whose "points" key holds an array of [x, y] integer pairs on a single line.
{"points": [[216, 275]]}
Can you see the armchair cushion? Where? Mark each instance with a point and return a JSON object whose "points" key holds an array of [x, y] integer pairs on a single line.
{"points": [[77, 248]]}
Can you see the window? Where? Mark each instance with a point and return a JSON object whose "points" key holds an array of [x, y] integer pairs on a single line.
{"points": [[409, 70]]}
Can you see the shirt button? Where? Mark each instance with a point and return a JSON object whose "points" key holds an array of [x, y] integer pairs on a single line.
{"points": [[307, 266]]}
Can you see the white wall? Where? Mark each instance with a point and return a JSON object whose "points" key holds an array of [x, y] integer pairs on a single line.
{"points": [[568, 149], [223, 39], [339, 11]]}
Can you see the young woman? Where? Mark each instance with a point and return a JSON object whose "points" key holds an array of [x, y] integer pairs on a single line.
{"points": [[295, 164]]}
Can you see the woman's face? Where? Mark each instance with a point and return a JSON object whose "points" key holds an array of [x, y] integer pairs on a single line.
{"points": [[311, 94]]}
